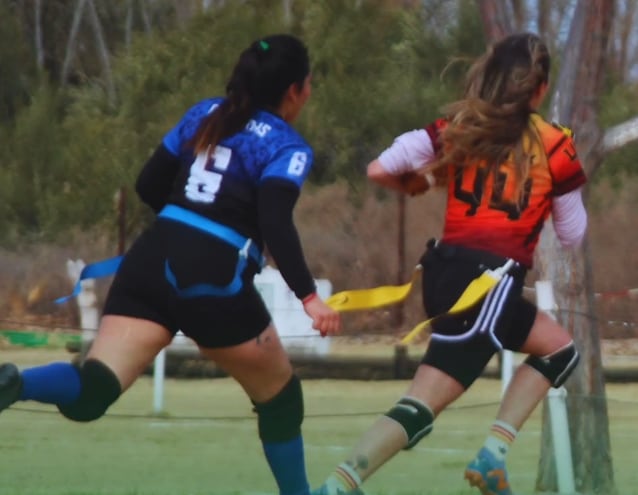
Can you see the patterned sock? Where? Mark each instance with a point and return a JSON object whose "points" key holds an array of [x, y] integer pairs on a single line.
{"points": [[342, 480], [500, 438], [55, 383], [286, 461]]}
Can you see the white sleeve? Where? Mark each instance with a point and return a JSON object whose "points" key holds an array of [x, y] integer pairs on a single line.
{"points": [[570, 218], [410, 151]]}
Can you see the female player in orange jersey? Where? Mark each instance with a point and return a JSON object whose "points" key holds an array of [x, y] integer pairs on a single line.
{"points": [[506, 170]]}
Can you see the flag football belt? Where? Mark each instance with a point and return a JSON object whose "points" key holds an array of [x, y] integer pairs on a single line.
{"points": [[246, 249], [494, 267], [483, 259]]}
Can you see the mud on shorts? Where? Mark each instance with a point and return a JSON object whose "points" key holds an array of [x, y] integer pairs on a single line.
{"points": [[462, 344]]}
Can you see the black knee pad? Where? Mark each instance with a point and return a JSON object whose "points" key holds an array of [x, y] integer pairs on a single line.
{"points": [[99, 389], [414, 417], [280, 418], [557, 366]]}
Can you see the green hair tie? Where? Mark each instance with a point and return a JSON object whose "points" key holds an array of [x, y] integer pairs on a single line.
{"points": [[264, 45]]}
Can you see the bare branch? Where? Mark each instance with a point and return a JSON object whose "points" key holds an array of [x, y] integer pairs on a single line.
{"points": [[620, 135]]}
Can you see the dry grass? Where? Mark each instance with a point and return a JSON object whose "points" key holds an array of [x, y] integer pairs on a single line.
{"points": [[352, 240]]}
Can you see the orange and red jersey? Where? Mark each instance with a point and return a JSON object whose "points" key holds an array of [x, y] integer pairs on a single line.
{"points": [[482, 212]]}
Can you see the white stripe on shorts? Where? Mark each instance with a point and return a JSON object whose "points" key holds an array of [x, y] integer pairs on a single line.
{"points": [[488, 316]]}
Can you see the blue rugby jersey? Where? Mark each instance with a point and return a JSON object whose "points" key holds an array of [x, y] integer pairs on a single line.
{"points": [[224, 187]]}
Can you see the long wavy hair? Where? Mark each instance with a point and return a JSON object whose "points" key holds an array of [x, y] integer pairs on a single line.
{"points": [[491, 123]]}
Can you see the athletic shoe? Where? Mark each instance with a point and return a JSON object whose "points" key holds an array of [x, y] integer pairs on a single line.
{"points": [[323, 490], [10, 385], [488, 474]]}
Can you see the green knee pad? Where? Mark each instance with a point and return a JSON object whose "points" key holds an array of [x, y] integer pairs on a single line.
{"points": [[280, 418], [415, 418]]}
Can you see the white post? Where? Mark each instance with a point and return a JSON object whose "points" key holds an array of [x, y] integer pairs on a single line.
{"points": [[557, 408], [562, 447], [507, 369], [158, 381], [86, 300]]}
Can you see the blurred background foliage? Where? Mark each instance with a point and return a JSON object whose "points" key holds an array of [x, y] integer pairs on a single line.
{"points": [[88, 89]]}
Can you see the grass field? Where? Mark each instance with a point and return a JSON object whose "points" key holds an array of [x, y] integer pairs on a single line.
{"points": [[206, 442]]}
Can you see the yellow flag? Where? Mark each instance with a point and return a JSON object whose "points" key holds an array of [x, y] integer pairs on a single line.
{"points": [[377, 297], [473, 293]]}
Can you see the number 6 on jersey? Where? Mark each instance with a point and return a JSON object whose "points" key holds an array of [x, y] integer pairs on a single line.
{"points": [[206, 175]]}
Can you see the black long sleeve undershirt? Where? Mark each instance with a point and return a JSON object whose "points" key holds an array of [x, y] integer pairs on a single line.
{"points": [[276, 199], [156, 179], [275, 203]]}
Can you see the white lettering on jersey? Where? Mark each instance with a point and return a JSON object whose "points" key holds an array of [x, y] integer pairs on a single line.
{"points": [[297, 163], [259, 128], [206, 175]]}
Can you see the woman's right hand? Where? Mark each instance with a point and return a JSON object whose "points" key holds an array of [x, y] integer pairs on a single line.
{"points": [[324, 319]]}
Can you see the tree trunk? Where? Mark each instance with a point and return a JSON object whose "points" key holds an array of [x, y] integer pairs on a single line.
{"points": [[287, 9], [70, 45], [622, 35], [103, 51], [185, 11], [574, 103], [550, 15], [543, 18], [519, 11], [39, 49], [128, 23], [146, 18], [497, 22], [570, 273], [587, 406]]}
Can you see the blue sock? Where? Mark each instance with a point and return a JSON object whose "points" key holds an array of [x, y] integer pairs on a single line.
{"points": [[55, 383], [286, 460]]}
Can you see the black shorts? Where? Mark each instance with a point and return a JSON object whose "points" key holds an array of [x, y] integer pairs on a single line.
{"points": [[141, 288], [463, 343]]}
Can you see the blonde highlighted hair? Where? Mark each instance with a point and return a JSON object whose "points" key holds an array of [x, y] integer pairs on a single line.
{"points": [[491, 123]]}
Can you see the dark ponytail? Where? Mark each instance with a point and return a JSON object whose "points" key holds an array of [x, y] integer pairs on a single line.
{"points": [[261, 77]]}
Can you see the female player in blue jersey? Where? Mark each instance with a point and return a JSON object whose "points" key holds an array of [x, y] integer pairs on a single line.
{"points": [[223, 182]]}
